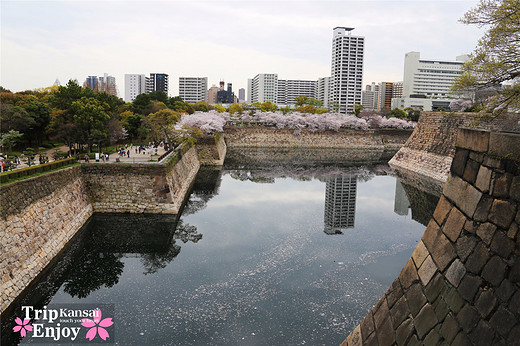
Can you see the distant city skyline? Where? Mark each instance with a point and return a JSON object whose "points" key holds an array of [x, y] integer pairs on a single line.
{"points": [[44, 41]]}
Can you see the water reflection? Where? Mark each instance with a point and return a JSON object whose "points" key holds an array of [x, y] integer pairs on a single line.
{"points": [[263, 273], [340, 203], [94, 259]]}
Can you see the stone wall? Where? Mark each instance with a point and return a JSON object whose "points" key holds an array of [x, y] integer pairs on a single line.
{"points": [[430, 148], [38, 217], [212, 153], [462, 284], [265, 137]]}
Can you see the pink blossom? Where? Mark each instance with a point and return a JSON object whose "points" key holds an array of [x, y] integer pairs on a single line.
{"points": [[100, 328], [22, 326]]}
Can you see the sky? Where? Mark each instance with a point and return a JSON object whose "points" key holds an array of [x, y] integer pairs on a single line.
{"points": [[42, 41]]}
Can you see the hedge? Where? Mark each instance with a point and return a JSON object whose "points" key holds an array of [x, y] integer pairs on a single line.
{"points": [[18, 173]]}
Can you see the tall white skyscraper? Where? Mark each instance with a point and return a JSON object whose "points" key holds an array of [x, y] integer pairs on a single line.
{"points": [[193, 89], [340, 203], [346, 70], [135, 84], [290, 89]]}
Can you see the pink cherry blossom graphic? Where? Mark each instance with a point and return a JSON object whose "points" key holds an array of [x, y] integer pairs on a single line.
{"points": [[91, 334], [22, 326]]}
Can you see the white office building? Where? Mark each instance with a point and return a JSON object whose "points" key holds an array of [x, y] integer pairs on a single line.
{"points": [[263, 87], [193, 89], [290, 89], [427, 82], [323, 91], [346, 69], [135, 84]]}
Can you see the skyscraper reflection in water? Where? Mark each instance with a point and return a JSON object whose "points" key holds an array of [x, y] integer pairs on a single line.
{"points": [[340, 203], [401, 203]]}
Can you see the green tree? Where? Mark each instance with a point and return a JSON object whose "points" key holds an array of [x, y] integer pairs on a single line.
{"points": [[236, 108], [9, 139], [358, 109], [142, 104], [131, 122], [159, 123], [496, 58], [398, 113], [91, 117]]}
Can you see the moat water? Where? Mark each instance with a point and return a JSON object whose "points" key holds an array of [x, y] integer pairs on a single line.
{"points": [[284, 255]]}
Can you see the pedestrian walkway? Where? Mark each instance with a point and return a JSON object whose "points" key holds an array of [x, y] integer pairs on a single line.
{"points": [[148, 156]]}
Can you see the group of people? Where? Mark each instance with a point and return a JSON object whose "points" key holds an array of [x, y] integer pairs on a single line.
{"points": [[9, 164]]}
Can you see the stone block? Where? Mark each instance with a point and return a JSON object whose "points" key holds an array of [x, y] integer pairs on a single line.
{"points": [[486, 231], [415, 298], [483, 179], [454, 224], [501, 185], [486, 302], [433, 338], [394, 293], [502, 245], [385, 333], [513, 231], [404, 332], [502, 213], [425, 321], [438, 245], [504, 291], [483, 334], [514, 192], [449, 329], [475, 140], [505, 145], [469, 286], [408, 274], [468, 318], [442, 210], [461, 340], [441, 309], [514, 304], [367, 326], [471, 171], [503, 321], [455, 272], [477, 259], [465, 246], [436, 287], [471, 226], [419, 254], [514, 335], [454, 300], [459, 162], [427, 270], [483, 208], [494, 271], [399, 312], [464, 195]]}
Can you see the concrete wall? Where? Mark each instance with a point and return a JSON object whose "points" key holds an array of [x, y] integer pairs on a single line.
{"points": [[462, 284], [264, 137], [430, 148], [39, 216]]}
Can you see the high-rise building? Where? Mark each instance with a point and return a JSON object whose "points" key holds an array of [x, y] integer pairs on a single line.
{"points": [[427, 83], [193, 89], [397, 90], [370, 96], [263, 87], [290, 89], [212, 94], [135, 84], [346, 69], [385, 95], [430, 78], [157, 82], [102, 84], [323, 91], [401, 204], [340, 203], [91, 82], [241, 95], [225, 96]]}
